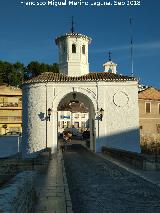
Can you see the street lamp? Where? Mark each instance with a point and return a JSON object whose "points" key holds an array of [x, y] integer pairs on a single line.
{"points": [[49, 114], [101, 113]]}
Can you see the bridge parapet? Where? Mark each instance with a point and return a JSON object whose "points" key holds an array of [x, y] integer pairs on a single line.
{"points": [[138, 160], [19, 195]]}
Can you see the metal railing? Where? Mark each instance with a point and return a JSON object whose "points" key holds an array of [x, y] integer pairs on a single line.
{"points": [[10, 119], [10, 104]]}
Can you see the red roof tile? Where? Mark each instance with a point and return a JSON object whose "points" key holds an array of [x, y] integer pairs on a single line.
{"points": [[149, 94], [97, 76]]}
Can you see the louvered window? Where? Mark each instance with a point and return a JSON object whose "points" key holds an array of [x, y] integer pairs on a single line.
{"points": [[148, 107], [73, 48]]}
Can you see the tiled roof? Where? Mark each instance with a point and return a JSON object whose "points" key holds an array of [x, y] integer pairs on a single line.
{"points": [[91, 77], [149, 94]]}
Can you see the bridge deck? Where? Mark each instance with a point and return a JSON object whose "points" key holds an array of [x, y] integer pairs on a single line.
{"points": [[98, 186], [52, 188]]}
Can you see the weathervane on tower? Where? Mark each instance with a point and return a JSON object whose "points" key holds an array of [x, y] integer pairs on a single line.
{"points": [[109, 54], [131, 44], [72, 28]]}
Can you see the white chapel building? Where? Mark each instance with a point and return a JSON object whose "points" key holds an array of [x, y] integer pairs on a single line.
{"points": [[111, 99]]}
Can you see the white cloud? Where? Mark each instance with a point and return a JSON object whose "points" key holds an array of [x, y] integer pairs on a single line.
{"points": [[142, 46], [149, 45]]}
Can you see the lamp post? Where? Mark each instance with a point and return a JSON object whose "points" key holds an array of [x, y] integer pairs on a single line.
{"points": [[101, 113], [49, 114]]}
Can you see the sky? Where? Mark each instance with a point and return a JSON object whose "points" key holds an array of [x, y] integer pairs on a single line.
{"points": [[27, 33]]}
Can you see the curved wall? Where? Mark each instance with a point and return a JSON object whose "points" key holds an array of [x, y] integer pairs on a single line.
{"points": [[34, 119]]}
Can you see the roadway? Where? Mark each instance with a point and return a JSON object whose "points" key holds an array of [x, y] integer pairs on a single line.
{"points": [[99, 186]]}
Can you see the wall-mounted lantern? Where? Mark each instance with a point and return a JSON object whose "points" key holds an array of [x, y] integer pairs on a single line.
{"points": [[74, 95], [74, 99], [49, 114], [101, 113]]}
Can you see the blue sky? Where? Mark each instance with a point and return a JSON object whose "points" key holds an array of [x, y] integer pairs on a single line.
{"points": [[27, 33]]}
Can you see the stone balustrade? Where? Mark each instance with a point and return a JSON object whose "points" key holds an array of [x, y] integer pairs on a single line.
{"points": [[18, 195], [141, 161]]}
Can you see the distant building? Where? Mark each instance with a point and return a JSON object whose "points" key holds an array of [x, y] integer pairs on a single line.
{"points": [[10, 109], [67, 119], [149, 111]]}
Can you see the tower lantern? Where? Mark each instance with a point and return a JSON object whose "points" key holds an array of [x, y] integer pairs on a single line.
{"points": [[110, 66], [73, 54]]}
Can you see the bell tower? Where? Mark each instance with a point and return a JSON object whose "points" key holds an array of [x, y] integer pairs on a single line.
{"points": [[110, 66], [73, 53]]}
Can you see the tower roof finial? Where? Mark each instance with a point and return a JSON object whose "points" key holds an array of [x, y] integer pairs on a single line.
{"points": [[109, 54], [131, 43], [72, 28]]}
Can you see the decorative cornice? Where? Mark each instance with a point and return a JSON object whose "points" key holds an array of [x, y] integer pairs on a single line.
{"points": [[73, 35]]}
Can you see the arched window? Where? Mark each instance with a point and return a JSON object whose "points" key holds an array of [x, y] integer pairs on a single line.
{"points": [[73, 48], [83, 49]]}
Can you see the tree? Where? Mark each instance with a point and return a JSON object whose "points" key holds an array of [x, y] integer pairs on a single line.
{"points": [[37, 68], [34, 68], [5, 71], [14, 74], [54, 68]]}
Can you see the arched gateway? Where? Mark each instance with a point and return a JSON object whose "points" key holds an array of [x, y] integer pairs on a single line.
{"points": [[114, 95]]}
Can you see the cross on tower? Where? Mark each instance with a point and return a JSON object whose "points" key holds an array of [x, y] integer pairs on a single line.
{"points": [[72, 28], [109, 54]]}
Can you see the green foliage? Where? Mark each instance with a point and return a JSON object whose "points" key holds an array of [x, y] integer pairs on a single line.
{"points": [[14, 73], [150, 144], [37, 68], [8, 74]]}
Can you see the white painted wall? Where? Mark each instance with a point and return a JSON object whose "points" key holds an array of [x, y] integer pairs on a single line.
{"points": [[34, 119], [119, 127]]}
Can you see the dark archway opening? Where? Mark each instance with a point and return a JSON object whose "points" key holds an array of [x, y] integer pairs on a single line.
{"points": [[76, 117]]}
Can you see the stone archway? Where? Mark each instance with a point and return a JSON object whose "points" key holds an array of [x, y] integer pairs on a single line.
{"points": [[89, 103]]}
